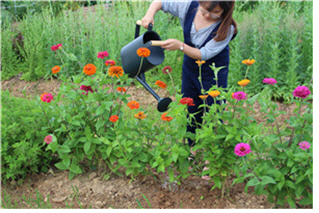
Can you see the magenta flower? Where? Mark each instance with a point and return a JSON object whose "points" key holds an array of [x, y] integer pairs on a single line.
{"points": [[167, 69], [46, 97], [48, 139], [304, 145], [242, 149], [239, 96], [56, 47], [270, 81], [102, 54], [301, 92], [87, 89]]}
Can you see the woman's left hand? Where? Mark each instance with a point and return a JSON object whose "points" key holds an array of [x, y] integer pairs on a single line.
{"points": [[172, 44]]}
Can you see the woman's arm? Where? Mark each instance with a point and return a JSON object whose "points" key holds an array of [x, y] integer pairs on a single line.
{"points": [[174, 44], [152, 10]]}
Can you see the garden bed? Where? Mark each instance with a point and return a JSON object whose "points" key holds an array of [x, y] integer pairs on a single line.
{"points": [[120, 192]]}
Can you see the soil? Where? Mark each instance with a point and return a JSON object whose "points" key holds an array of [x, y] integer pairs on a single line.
{"points": [[92, 191]]}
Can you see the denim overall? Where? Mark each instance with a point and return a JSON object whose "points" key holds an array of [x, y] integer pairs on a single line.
{"points": [[190, 84]]}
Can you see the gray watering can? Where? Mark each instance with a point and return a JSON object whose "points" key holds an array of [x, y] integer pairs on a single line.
{"points": [[131, 61]]}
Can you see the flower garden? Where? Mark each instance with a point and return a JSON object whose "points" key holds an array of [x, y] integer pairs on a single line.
{"points": [[90, 123]]}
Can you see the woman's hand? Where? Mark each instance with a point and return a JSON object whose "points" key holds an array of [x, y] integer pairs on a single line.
{"points": [[172, 44], [146, 20]]}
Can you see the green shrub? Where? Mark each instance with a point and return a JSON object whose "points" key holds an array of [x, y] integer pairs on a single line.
{"points": [[22, 140]]}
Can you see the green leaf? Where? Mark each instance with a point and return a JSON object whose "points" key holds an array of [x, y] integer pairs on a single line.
{"points": [[290, 184], [143, 157], [87, 146], [170, 174], [291, 202], [253, 182], [305, 201], [129, 170], [65, 149], [76, 122], [99, 124], [217, 181], [266, 180], [299, 189], [76, 169], [184, 166], [61, 166], [308, 117]]}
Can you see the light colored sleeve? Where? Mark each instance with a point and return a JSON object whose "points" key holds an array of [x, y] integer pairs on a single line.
{"points": [[212, 48], [176, 8]]}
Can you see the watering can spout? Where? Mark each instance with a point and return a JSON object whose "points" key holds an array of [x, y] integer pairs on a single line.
{"points": [[163, 103]]}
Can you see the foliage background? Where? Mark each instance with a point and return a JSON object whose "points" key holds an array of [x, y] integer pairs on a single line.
{"points": [[278, 35]]}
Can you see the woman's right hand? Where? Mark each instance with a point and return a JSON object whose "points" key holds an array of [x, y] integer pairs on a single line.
{"points": [[146, 20]]}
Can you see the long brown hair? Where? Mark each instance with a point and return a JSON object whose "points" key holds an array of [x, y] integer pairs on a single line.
{"points": [[227, 16]]}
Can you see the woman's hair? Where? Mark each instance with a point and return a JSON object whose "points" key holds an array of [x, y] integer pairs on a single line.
{"points": [[227, 16]]}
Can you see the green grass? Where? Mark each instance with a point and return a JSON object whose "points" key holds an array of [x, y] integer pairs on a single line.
{"points": [[278, 35]]}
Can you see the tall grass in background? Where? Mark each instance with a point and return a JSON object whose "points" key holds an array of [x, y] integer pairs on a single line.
{"points": [[277, 35]]}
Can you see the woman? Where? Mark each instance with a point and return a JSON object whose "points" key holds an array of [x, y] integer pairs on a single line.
{"points": [[208, 27]]}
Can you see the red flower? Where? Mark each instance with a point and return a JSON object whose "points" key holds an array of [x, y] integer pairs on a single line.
{"points": [[102, 54], [167, 70], [56, 47], [188, 101], [110, 62], [46, 97], [160, 84], [114, 118], [133, 105], [121, 89]]}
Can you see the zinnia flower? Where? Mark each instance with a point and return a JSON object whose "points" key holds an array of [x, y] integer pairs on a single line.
{"points": [[203, 97], [56, 69], [200, 62], [301, 92], [232, 95], [56, 47], [116, 71], [89, 69], [143, 52], [110, 62], [248, 62], [167, 70], [121, 89], [242, 149], [102, 54], [304, 145], [270, 81], [133, 105], [114, 118], [140, 115], [214, 93], [244, 82], [87, 89], [160, 84], [188, 101], [46, 97], [48, 139], [239, 96], [166, 118]]}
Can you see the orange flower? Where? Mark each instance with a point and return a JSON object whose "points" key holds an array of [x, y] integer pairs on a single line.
{"points": [[200, 62], [248, 61], [214, 93], [160, 84], [232, 95], [133, 105], [244, 82], [114, 118], [143, 52], [120, 89], [203, 97], [56, 69], [166, 118], [116, 71], [140, 115], [89, 69]]}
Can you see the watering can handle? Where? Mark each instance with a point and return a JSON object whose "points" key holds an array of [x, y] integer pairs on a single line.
{"points": [[150, 26]]}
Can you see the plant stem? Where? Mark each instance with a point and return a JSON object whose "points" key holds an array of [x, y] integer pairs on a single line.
{"points": [[46, 116], [246, 72], [172, 83]]}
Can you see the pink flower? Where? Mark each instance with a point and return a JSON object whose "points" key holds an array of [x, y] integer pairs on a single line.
{"points": [[167, 70], [239, 96], [242, 149], [56, 47], [87, 89], [46, 97], [48, 139], [102, 54], [301, 92], [304, 145], [270, 81]]}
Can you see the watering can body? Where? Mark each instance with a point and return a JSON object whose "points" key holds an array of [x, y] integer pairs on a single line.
{"points": [[131, 61]]}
